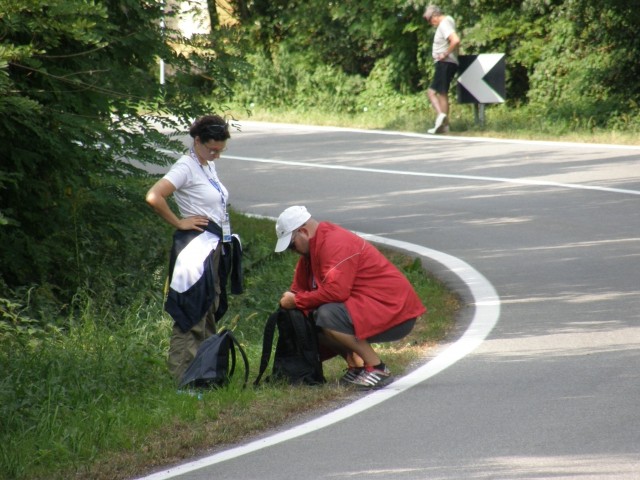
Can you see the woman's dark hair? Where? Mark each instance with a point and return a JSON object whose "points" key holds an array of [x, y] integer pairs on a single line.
{"points": [[210, 127]]}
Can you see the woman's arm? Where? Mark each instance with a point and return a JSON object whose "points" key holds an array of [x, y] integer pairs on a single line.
{"points": [[157, 199]]}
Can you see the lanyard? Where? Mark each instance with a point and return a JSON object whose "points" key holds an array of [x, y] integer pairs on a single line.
{"points": [[226, 226], [215, 184]]}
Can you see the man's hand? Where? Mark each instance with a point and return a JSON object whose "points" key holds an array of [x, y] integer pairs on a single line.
{"points": [[288, 300]]}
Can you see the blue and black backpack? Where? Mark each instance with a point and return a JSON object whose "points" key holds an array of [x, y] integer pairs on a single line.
{"points": [[215, 362]]}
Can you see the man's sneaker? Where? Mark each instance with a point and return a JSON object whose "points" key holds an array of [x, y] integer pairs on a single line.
{"points": [[371, 378], [350, 375], [442, 129], [439, 121]]}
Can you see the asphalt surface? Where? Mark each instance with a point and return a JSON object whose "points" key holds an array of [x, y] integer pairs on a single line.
{"points": [[550, 387]]}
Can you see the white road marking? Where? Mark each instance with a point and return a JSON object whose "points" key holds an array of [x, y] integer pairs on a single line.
{"points": [[516, 181], [314, 128], [487, 312]]}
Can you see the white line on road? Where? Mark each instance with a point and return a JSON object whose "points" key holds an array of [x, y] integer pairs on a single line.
{"points": [[268, 126], [487, 312], [516, 181]]}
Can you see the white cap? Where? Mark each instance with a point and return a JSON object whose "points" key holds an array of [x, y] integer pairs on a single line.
{"points": [[288, 221]]}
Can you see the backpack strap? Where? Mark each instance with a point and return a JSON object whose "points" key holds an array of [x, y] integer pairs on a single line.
{"points": [[233, 345], [232, 351], [243, 354], [267, 344]]}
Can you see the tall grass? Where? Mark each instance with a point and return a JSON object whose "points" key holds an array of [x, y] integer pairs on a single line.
{"points": [[94, 399], [65, 395], [500, 121]]}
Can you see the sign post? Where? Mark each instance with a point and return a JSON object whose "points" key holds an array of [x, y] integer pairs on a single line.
{"points": [[481, 81]]}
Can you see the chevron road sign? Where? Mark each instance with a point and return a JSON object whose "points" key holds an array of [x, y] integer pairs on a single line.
{"points": [[481, 78]]}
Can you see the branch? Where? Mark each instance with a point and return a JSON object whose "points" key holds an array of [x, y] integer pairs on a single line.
{"points": [[71, 55], [86, 86]]}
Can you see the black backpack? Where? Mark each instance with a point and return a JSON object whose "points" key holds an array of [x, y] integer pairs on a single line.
{"points": [[211, 367], [296, 360]]}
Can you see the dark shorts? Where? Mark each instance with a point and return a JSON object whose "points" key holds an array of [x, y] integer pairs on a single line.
{"points": [[334, 316], [445, 71]]}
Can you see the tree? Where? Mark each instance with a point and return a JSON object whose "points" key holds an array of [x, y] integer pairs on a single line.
{"points": [[572, 58], [79, 98], [590, 64]]}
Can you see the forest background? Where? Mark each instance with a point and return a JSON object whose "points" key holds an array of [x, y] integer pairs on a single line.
{"points": [[81, 93]]}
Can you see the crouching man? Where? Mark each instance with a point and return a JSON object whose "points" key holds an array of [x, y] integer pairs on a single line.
{"points": [[357, 296]]}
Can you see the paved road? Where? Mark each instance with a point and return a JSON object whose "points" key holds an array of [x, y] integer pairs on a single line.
{"points": [[553, 391]]}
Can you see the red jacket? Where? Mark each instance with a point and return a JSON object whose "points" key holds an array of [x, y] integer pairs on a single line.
{"points": [[344, 268]]}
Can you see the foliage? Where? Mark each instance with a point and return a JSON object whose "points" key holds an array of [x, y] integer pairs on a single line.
{"points": [[285, 80], [349, 36], [79, 99], [79, 81], [590, 65], [576, 60]]}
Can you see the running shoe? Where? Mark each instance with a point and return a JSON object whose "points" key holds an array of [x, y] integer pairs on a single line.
{"points": [[351, 374], [440, 129], [440, 121], [372, 378]]}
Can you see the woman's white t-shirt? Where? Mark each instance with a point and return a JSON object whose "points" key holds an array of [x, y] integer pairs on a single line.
{"points": [[199, 191]]}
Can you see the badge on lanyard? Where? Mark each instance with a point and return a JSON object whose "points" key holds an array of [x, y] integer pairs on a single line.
{"points": [[226, 229]]}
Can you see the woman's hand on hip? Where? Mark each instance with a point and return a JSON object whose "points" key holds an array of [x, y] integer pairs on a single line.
{"points": [[198, 223]]}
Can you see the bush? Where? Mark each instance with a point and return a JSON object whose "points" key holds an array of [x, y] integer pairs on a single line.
{"points": [[287, 81]]}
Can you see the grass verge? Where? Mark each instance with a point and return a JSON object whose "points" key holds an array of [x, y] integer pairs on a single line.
{"points": [[92, 399], [500, 122]]}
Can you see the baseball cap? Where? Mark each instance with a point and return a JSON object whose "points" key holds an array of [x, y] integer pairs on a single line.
{"points": [[288, 221]]}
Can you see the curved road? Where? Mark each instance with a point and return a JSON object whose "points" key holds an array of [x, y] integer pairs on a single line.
{"points": [[545, 234]]}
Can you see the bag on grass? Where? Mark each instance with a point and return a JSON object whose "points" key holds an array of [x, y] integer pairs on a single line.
{"points": [[296, 359], [215, 362]]}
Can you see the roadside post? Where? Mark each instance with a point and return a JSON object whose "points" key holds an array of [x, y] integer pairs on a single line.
{"points": [[481, 81]]}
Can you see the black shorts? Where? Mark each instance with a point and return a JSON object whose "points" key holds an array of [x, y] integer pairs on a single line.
{"points": [[442, 78], [334, 316]]}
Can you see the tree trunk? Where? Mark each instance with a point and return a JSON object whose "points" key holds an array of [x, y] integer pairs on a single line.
{"points": [[213, 14]]}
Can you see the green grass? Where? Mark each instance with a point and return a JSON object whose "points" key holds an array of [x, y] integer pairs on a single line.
{"points": [[93, 399], [500, 122]]}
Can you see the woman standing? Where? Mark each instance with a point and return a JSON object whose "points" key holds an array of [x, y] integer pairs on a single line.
{"points": [[203, 246]]}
